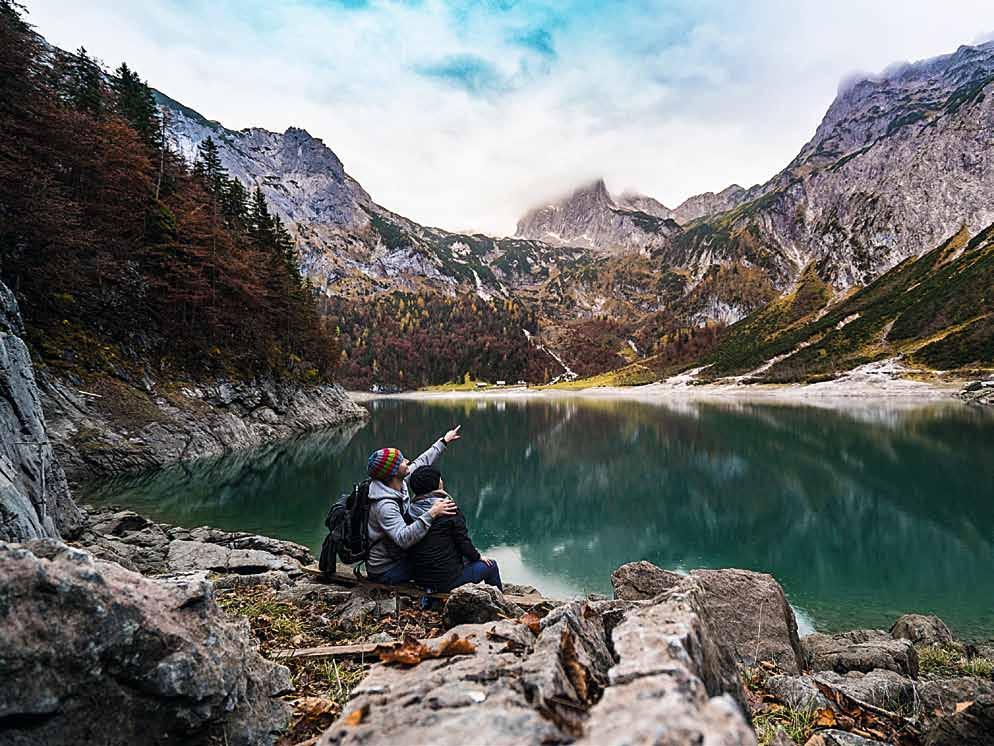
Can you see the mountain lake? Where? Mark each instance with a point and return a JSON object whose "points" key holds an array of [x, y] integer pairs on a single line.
{"points": [[862, 513]]}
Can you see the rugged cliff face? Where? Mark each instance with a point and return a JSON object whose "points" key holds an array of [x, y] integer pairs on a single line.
{"points": [[591, 218], [898, 164], [34, 497], [350, 245]]}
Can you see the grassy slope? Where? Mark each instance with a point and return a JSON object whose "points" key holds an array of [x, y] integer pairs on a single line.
{"points": [[937, 311]]}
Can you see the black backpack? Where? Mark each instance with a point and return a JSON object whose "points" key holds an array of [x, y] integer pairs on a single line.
{"points": [[348, 530]]}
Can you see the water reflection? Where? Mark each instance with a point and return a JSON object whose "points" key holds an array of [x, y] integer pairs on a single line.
{"points": [[862, 515]]}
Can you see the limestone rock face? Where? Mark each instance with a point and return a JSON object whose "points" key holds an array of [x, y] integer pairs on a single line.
{"points": [[93, 653], [860, 650], [195, 422], [474, 604], [921, 629], [348, 242], [591, 218], [899, 163], [34, 497], [640, 581]]}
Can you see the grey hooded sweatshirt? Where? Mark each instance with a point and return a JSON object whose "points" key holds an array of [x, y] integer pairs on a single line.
{"points": [[389, 533]]}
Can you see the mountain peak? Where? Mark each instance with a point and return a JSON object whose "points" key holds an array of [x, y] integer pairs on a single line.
{"points": [[591, 218]]}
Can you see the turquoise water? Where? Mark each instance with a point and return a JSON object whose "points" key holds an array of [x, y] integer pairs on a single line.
{"points": [[861, 514]]}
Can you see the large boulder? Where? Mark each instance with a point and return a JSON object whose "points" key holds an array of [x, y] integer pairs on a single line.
{"points": [[860, 650], [478, 603], [511, 686], [672, 683], [558, 682], [93, 653], [750, 615], [921, 629], [642, 580], [34, 495], [748, 610], [973, 726]]}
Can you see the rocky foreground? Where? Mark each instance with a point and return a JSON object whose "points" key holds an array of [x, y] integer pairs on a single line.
{"points": [[150, 633]]}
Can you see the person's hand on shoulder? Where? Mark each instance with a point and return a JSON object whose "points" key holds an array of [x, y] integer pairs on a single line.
{"points": [[452, 435], [443, 507]]}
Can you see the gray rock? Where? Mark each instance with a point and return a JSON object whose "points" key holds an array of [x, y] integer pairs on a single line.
{"points": [[973, 726], [187, 556], [478, 698], [672, 684], [34, 495], [276, 579], [642, 580], [881, 688], [921, 629], [513, 589], [860, 650], [973, 386], [476, 603], [940, 696], [559, 687], [750, 614], [357, 612], [93, 653]]}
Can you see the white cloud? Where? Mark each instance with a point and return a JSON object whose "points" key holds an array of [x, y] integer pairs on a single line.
{"points": [[670, 98]]}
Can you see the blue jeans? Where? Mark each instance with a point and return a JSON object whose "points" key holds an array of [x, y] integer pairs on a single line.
{"points": [[397, 574], [474, 572]]}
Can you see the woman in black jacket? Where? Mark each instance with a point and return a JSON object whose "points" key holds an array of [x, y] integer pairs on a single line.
{"points": [[445, 558]]}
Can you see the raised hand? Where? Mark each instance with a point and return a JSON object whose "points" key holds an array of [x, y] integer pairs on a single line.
{"points": [[452, 435]]}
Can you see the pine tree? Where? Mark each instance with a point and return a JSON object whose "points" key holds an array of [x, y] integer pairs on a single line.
{"points": [[260, 222], [135, 102], [234, 202], [86, 84], [209, 169]]}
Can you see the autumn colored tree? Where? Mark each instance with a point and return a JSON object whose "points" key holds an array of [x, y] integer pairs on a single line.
{"points": [[113, 244]]}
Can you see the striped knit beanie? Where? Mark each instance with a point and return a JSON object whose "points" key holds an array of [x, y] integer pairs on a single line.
{"points": [[384, 463]]}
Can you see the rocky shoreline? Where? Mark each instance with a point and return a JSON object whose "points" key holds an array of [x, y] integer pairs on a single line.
{"points": [[708, 657], [120, 427]]}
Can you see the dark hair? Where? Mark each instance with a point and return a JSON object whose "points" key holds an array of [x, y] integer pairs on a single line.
{"points": [[425, 479]]}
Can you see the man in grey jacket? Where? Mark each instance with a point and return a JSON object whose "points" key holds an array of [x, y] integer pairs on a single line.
{"points": [[389, 532]]}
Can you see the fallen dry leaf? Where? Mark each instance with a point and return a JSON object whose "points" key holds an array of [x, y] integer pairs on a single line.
{"points": [[314, 707], [532, 622], [960, 706], [825, 718], [355, 717], [408, 653], [454, 645]]}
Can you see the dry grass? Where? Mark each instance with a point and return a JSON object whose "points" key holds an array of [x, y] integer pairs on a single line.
{"points": [[321, 686]]}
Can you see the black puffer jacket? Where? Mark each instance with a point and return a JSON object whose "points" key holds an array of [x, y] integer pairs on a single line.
{"points": [[438, 559]]}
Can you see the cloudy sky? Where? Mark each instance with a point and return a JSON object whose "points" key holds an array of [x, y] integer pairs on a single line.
{"points": [[463, 114]]}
